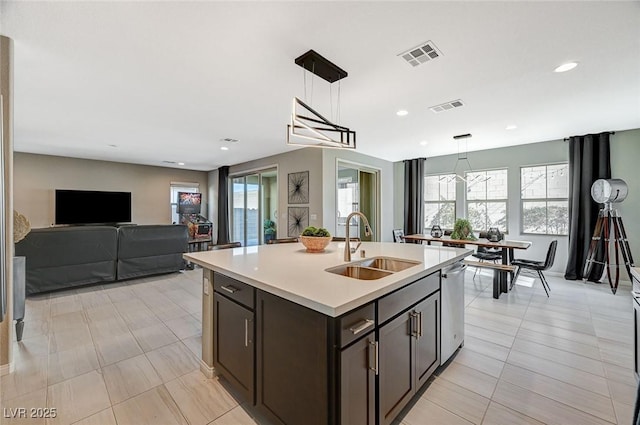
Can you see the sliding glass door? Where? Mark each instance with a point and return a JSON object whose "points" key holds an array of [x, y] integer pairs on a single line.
{"points": [[254, 199]]}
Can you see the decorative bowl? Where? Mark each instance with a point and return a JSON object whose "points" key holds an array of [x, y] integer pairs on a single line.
{"points": [[315, 243]]}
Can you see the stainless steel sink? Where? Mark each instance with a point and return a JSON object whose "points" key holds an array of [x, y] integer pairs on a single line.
{"points": [[356, 272], [373, 268], [387, 263]]}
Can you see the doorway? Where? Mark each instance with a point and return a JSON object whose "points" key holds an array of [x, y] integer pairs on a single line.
{"points": [[254, 198], [358, 190]]}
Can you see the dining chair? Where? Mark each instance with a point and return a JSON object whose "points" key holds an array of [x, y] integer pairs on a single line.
{"points": [[487, 254], [225, 246], [283, 240], [398, 235], [538, 266]]}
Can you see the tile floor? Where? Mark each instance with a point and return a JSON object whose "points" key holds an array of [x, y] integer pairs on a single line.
{"points": [[127, 353]]}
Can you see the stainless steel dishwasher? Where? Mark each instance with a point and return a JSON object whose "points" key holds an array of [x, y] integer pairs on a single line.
{"points": [[452, 312]]}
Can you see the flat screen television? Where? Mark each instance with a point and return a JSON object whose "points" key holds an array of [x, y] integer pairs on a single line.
{"points": [[92, 207], [189, 202]]}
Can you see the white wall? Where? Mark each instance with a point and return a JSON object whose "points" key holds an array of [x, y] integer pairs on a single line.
{"points": [[308, 159], [511, 158], [321, 164], [37, 176], [625, 161], [330, 159], [625, 165]]}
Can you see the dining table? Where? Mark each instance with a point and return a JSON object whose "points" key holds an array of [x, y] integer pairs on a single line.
{"points": [[506, 246]]}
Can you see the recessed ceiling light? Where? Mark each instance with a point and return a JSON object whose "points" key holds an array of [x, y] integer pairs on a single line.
{"points": [[224, 148], [180, 163], [424, 143], [402, 112], [566, 67], [511, 127]]}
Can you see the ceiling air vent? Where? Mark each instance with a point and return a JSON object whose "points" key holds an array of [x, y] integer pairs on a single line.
{"points": [[230, 140], [447, 106], [420, 54]]}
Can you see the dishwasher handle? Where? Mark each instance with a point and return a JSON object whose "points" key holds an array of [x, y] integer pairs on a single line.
{"points": [[454, 270]]}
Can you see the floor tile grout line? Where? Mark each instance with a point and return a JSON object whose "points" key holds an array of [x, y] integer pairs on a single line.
{"points": [[562, 364], [613, 407], [505, 362], [542, 395]]}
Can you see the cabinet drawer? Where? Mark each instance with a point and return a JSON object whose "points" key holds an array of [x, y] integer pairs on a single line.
{"points": [[233, 289], [356, 324], [405, 297]]}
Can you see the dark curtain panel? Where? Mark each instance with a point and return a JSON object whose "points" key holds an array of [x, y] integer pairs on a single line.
{"points": [[223, 205], [589, 160], [413, 196]]}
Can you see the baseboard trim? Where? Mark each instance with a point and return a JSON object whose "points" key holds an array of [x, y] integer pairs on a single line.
{"points": [[207, 370], [6, 369]]}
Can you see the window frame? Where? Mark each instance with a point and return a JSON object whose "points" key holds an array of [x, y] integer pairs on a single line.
{"points": [[504, 200], [545, 200], [454, 202]]}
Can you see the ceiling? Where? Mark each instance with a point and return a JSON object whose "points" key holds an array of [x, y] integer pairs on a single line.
{"points": [[148, 82]]}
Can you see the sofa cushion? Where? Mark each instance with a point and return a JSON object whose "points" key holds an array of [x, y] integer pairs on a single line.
{"points": [[150, 249], [61, 257]]}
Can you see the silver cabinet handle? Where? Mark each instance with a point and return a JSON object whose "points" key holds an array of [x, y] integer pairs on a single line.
{"points": [[230, 289], [362, 326], [419, 325], [413, 325], [246, 332], [376, 357]]}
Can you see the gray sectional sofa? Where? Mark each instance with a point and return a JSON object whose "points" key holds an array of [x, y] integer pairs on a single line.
{"points": [[65, 257]]}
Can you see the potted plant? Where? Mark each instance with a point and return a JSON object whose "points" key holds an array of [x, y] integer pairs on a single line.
{"points": [[315, 239], [269, 230], [462, 230]]}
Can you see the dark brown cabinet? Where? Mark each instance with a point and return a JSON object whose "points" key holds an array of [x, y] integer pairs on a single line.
{"points": [[361, 368], [358, 365], [427, 340], [233, 352], [293, 379], [409, 350]]}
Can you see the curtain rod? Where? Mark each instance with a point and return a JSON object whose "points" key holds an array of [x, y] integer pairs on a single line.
{"points": [[566, 139]]}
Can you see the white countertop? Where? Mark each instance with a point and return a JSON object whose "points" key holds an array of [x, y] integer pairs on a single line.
{"points": [[288, 271]]}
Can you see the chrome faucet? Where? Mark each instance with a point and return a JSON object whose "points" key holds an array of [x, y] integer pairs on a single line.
{"points": [[347, 242]]}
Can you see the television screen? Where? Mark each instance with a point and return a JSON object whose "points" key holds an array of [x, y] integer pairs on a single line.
{"points": [[189, 202], [92, 207]]}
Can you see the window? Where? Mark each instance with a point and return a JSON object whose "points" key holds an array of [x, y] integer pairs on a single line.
{"points": [[487, 199], [544, 196], [439, 201], [179, 187]]}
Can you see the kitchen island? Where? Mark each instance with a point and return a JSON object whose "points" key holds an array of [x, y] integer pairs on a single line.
{"points": [[306, 345]]}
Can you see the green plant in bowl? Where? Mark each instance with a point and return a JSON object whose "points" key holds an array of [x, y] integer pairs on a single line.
{"points": [[319, 232], [462, 229], [315, 239]]}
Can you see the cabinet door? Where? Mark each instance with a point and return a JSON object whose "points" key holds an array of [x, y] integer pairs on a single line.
{"points": [[426, 341], [233, 353], [293, 375], [396, 374], [358, 383]]}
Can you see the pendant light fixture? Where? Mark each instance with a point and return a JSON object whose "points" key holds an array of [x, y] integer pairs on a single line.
{"points": [[463, 155], [308, 127]]}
